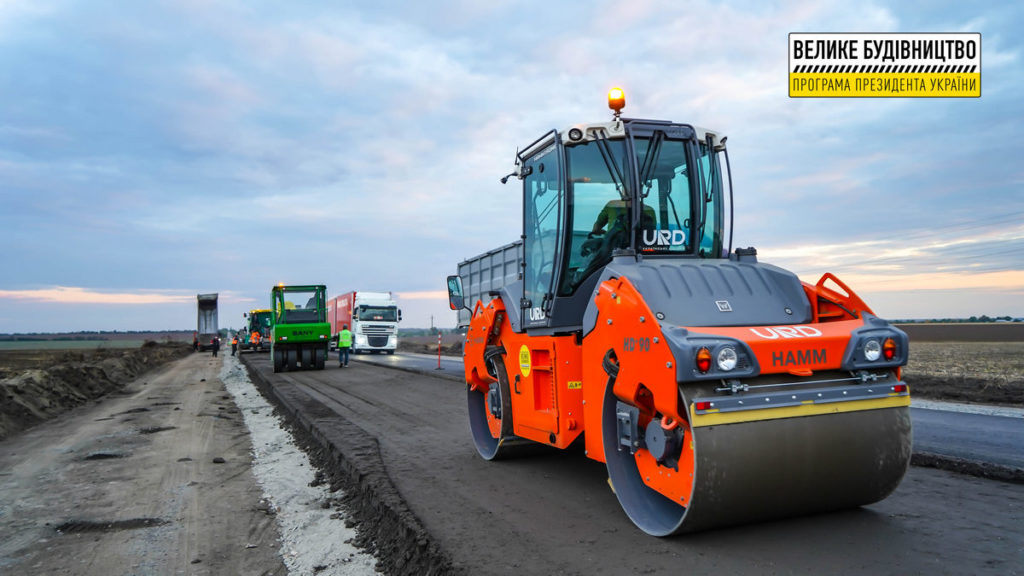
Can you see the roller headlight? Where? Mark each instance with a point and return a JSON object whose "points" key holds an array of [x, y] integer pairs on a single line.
{"points": [[727, 359], [873, 350]]}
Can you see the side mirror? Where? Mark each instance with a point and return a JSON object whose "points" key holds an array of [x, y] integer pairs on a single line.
{"points": [[245, 314], [399, 314], [456, 301]]}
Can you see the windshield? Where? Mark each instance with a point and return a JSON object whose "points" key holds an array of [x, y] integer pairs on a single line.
{"points": [[681, 210], [711, 229], [378, 313], [665, 190], [259, 321], [297, 307], [599, 209]]}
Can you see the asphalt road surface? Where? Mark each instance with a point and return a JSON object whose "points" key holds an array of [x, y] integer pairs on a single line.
{"points": [[553, 513], [992, 438], [988, 438]]}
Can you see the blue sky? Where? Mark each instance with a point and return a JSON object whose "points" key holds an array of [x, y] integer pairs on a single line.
{"points": [[150, 151]]}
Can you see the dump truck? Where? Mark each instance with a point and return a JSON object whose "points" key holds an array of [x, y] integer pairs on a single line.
{"points": [[256, 337], [716, 388], [299, 330], [372, 317], [206, 322]]}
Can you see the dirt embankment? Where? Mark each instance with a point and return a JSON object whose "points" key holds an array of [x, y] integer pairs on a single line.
{"points": [[36, 385]]}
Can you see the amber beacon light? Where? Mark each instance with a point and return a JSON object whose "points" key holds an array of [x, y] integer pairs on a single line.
{"points": [[616, 100]]}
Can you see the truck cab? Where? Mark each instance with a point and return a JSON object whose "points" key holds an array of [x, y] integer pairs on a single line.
{"points": [[372, 317]]}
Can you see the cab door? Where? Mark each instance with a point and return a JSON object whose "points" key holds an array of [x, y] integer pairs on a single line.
{"points": [[530, 360], [544, 211]]}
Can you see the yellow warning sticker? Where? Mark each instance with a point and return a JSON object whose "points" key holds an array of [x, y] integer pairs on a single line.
{"points": [[575, 384], [885, 65], [524, 361]]}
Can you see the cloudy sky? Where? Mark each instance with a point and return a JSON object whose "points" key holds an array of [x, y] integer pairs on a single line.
{"points": [[153, 150]]}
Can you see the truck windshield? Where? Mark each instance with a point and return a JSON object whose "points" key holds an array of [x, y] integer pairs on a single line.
{"points": [[378, 313]]}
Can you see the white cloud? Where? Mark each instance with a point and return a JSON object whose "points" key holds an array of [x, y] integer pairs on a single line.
{"points": [[385, 131]]}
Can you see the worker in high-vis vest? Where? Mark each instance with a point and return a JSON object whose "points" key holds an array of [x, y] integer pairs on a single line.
{"points": [[344, 343]]}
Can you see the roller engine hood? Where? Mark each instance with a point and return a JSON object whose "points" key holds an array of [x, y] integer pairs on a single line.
{"points": [[687, 292]]}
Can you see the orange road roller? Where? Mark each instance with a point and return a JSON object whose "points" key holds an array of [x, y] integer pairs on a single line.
{"points": [[717, 389]]}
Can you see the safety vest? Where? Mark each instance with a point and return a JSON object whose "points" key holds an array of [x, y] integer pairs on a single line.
{"points": [[234, 340], [255, 337], [345, 338]]}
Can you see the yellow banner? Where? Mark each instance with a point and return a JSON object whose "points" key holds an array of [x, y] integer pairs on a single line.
{"points": [[885, 85]]}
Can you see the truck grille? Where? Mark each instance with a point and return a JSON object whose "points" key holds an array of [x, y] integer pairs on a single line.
{"points": [[377, 341], [377, 329]]}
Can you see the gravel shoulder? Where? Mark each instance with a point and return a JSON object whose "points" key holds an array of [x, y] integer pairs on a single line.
{"points": [[155, 479]]}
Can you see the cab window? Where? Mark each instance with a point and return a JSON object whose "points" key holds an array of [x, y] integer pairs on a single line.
{"points": [[667, 196], [599, 209], [542, 189]]}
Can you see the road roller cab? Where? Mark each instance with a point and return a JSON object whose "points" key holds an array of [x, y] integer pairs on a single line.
{"points": [[717, 389]]}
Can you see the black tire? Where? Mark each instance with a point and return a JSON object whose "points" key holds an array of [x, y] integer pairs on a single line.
{"points": [[293, 359], [278, 360], [307, 357], [319, 356]]}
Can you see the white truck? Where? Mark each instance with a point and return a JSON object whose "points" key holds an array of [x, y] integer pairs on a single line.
{"points": [[372, 317]]}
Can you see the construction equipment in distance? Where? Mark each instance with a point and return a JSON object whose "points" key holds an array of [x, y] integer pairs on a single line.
{"points": [[299, 331], [717, 389], [206, 320], [257, 330]]}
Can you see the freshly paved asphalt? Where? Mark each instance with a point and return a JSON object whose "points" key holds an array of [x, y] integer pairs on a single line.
{"points": [[980, 434]]}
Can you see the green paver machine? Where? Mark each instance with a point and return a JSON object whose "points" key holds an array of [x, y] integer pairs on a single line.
{"points": [[256, 337], [299, 331]]}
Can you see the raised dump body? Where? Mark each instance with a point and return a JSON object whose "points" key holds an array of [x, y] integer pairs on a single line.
{"points": [[206, 320]]}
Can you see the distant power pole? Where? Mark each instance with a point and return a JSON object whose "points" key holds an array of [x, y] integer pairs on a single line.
{"points": [[431, 322]]}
